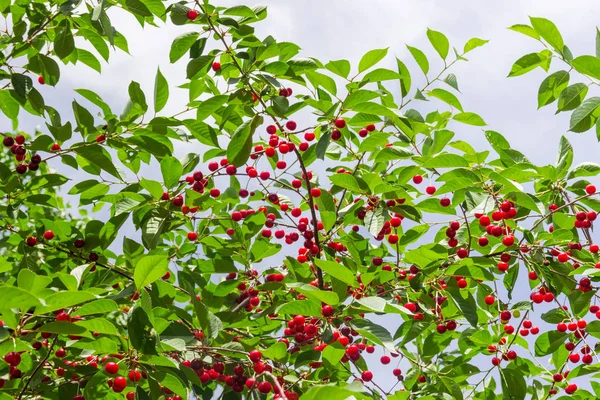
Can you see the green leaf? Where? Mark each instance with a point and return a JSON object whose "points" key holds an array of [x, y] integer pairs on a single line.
{"points": [[375, 333], [552, 87], [339, 67], [96, 100], [514, 386], [469, 118], [549, 342], [572, 97], [525, 30], [565, 156], [210, 323], [100, 325], [102, 306], [374, 221], [451, 81], [198, 66], [8, 105], [149, 269], [64, 44], [141, 332], [597, 42], [585, 169], [99, 157], [446, 161], [549, 32], [138, 8], [171, 170], [420, 58], [316, 294], [346, 181], [371, 58], [585, 116], [22, 84], [405, 81], [473, 44], [307, 308], [337, 270], [439, 41], [531, 61], [467, 305], [587, 65], [240, 146], [137, 95], [446, 97], [13, 297], [181, 45], [161, 91], [89, 59]]}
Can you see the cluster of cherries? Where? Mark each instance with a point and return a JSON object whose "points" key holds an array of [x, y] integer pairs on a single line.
{"points": [[17, 147]]}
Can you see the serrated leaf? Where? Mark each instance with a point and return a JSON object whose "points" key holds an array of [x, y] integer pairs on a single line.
{"points": [[446, 97], [181, 45], [439, 41], [420, 58], [473, 44], [172, 170], [337, 270], [371, 58], [585, 116], [531, 61], [161, 91], [149, 269]]}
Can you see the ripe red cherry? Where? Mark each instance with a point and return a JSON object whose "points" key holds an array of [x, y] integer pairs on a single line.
{"points": [[489, 300], [385, 360], [55, 147], [291, 125], [445, 202], [265, 387], [192, 15], [483, 241], [327, 311], [462, 283], [563, 257], [119, 384], [508, 240], [430, 190], [130, 396], [13, 358], [571, 388], [315, 192], [367, 376], [111, 368], [590, 189], [417, 179], [216, 66], [393, 239], [48, 235], [255, 355], [192, 236], [41, 80], [31, 241], [63, 317], [134, 376], [340, 123]]}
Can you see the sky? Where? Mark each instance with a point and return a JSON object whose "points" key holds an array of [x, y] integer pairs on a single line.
{"points": [[346, 29]]}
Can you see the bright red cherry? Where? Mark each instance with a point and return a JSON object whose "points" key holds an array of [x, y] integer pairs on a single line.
{"points": [[48, 235], [417, 179], [265, 387], [192, 236], [430, 190], [590, 189], [315, 192], [119, 384], [216, 66], [489, 300], [192, 15], [255, 355], [367, 376], [111, 368], [340, 123]]}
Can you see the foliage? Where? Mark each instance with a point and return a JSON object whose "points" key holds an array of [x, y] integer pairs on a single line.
{"points": [[254, 276]]}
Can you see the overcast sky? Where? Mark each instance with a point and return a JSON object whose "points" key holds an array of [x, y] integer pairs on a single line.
{"points": [[336, 29]]}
